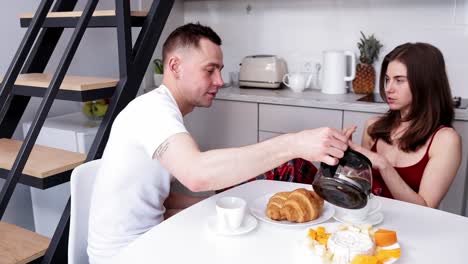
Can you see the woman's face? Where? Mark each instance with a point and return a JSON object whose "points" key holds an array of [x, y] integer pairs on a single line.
{"points": [[397, 88]]}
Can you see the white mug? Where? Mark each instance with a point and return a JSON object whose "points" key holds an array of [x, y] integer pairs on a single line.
{"points": [[297, 81], [373, 206], [334, 76], [230, 212]]}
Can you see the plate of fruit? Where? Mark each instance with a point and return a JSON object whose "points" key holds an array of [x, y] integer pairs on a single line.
{"points": [[350, 244]]}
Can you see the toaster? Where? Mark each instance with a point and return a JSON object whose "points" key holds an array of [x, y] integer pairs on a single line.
{"points": [[262, 71]]}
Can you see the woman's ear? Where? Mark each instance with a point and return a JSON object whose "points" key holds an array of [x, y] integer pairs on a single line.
{"points": [[174, 66]]}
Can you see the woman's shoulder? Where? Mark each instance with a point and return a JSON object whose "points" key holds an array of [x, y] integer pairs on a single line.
{"points": [[446, 133], [372, 120], [446, 138]]}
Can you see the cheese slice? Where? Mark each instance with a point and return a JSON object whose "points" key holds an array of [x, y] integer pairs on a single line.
{"points": [[346, 244]]}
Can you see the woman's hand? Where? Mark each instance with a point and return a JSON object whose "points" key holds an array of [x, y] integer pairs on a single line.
{"points": [[349, 131], [378, 161]]}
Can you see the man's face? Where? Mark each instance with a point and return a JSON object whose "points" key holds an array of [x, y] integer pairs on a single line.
{"points": [[200, 75]]}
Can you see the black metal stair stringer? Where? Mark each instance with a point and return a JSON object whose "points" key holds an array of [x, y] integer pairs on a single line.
{"points": [[23, 51], [126, 90], [6, 98], [37, 61], [28, 143]]}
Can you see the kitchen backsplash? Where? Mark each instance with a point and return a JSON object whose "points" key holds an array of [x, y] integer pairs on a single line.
{"points": [[299, 30]]}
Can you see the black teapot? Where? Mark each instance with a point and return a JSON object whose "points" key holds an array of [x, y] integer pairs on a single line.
{"points": [[347, 184]]}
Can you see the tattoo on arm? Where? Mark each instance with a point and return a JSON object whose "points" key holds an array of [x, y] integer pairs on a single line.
{"points": [[161, 149]]}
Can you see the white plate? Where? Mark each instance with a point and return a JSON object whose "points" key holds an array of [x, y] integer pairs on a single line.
{"points": [[373, 219], [258, 209], [310, 257], [247, 225]]}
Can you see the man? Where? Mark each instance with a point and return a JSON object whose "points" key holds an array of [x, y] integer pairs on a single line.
{"points": [[149, 145]]}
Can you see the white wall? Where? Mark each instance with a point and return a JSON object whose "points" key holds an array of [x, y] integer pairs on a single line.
{"points": [[299, 30]]}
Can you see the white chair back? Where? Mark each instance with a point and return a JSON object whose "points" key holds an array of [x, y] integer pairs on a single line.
{"points": [[81, 187]]}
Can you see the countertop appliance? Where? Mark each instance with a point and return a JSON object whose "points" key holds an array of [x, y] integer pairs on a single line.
{"points": [[335, 68], [458, 102], [262, 71]]}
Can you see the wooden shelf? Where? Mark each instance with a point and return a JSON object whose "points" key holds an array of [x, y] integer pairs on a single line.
{"points": [[73, 88], [18, 245], [70, 82], [43, 161], [97, 13], [69, 19]]}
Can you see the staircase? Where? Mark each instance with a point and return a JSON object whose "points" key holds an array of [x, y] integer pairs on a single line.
{"points": [[44, 167]]}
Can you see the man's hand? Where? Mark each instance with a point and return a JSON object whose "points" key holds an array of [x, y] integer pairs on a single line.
{"points": [[322, 144]]}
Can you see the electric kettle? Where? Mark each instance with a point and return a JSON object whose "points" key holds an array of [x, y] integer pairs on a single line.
{"points": [[334, 71], [347, 184]]}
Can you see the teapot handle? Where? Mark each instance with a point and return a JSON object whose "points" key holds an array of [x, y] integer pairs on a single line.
{"points": [[309, 80], [353, 66], [286, 76]]}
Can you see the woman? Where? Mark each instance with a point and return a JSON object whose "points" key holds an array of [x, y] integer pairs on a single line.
{"points": [[413, 148]]}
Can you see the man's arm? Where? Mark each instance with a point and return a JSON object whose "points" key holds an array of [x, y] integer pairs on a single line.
{"points": [[216, 169]]}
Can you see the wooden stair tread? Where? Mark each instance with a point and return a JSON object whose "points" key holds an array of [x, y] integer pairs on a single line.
{"points": [[70, 82], [43, 161], [19, 245], [97, 13]]}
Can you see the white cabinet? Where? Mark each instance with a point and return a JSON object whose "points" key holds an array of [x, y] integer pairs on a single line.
{"points": [[286, 119], [72, 132], [456, 199], [224, 124], [359, 119], [263, 135]]}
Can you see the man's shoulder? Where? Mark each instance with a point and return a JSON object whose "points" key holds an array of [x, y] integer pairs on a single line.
{"points": [[150, 104]]}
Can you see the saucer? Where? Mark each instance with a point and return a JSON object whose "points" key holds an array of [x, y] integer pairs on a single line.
{"points": [[247, 225], [373, 219]]}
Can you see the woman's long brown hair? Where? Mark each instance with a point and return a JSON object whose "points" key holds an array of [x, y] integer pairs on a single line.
{"points": [[432, 104]]}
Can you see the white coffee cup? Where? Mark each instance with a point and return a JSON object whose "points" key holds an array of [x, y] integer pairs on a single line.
{"points": [[230, 212], [356, 215], [297, 81]]}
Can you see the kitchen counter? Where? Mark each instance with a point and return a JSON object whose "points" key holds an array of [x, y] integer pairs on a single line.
{"points": [[310, 98]]}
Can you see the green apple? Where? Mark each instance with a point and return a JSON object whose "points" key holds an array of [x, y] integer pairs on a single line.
{"points": [[100, 101], [100, 109], [87, 109]]}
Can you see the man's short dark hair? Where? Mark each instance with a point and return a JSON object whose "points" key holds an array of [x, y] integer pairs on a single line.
{"points": [[189, 35]]}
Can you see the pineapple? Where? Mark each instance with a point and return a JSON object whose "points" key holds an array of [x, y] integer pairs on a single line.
{"points": [[369, 47]]}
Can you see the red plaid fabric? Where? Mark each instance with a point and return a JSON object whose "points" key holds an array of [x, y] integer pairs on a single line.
{"points": [[296, 170]]}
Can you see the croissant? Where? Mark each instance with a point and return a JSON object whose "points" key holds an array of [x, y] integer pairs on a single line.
{"points": [[299, 206], [275, 204]]}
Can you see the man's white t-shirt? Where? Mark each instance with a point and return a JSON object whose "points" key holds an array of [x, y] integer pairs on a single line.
{"points": [[130, 187]]}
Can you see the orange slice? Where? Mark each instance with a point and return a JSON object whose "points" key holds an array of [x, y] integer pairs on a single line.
{"points": [[385, 237], [385, 254], [364, 259]]}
